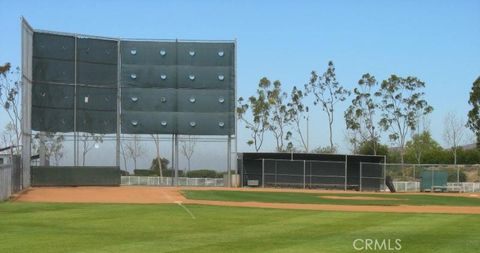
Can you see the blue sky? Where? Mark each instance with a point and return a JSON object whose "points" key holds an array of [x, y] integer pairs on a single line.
{"points": [[437, 41]]}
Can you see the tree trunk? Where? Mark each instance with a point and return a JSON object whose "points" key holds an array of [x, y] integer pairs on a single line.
{"points": [[331, 138], [159, 160], [455, 156]]}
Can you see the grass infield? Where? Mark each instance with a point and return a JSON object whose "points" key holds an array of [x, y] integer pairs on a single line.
{"points": [[322, 198], [35, 227]]}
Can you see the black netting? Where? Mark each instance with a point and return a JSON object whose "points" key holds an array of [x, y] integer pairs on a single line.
{"points": [[46, 96], [52, 70], [167, 87]]}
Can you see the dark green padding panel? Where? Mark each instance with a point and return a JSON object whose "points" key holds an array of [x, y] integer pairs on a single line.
{"points": [[75, 176], [433, 179]]}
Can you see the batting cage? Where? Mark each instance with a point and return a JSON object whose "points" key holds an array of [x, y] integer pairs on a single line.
{"points": [[301, 170], [124, 90]]}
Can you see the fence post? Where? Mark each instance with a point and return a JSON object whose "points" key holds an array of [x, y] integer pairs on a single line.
{"points": [[385, 175], [276, 173], [304, 174], [458, 173], [414, 174], [433, 179], [361, 168], [263, 173], [346, 164]]}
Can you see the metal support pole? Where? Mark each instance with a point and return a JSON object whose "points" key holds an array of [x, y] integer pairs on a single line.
{"points": [[431, 185], [235, 154], [384, 174], [229, 161], [75, 146], [414, 172], [304, 172], [346, 166], [26, 110], [458, 173], [276, 173], [361, 168], [42, 149], [119, 108], [176, 160], [173, 157], [263, 173]]}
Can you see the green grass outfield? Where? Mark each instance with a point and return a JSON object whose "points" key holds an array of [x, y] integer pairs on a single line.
{"points": [[316, 198], [32, 227]]}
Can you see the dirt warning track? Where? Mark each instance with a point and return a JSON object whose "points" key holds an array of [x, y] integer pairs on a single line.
{"points": [[171, 195]]}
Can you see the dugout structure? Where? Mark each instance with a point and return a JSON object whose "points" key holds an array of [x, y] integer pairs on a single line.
{"points": [[305, 170], [75, 83]]}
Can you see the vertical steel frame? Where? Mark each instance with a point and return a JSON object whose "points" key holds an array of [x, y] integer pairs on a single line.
{"points": [[385, 173], [346, 168], [119, 107], [263, 173], [304, 174], [75, 141], [26, 123], [361, 168]]}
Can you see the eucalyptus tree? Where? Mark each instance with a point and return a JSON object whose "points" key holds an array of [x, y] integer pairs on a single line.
{"points": [[474, 114], [327, 92], [187, 147], [454, 133], [298, 112], [89, 141], [401, 102], [279, 120], [52, 143], [156, 140], [360, 116], [10, 85], [259, 107]]}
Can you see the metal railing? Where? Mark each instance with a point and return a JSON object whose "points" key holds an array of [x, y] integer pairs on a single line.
{"points": [[169, 181], [414, 186], [423, 177]]}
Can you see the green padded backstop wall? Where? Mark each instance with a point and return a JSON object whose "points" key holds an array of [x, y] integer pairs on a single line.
{"points": [[75, 176], [164, 87]]}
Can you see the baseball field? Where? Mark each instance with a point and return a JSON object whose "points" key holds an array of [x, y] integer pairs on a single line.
{"points": [[153, 219]]}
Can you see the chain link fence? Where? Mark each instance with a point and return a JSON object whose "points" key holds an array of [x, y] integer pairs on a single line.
{"points": [[303, 174], [169, 181], [423, 177]]}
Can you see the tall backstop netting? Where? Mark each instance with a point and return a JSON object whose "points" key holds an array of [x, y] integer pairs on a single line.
{"points": [[87, 84], [301, 170]]}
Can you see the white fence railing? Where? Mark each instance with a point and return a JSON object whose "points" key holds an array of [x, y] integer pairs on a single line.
{"points": [[414, 186], [5, 181], [168, 181]]}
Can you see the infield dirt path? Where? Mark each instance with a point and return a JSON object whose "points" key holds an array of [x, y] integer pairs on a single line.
{"points": [[169, 195]]}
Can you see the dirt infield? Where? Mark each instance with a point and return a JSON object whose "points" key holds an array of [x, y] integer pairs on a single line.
{"points": [[168, 195]]}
